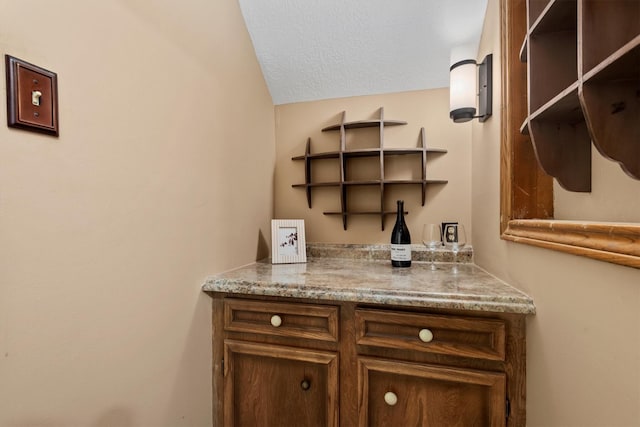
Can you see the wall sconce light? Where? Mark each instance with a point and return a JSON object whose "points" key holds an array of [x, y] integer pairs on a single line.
{"points": [[465, 87]]}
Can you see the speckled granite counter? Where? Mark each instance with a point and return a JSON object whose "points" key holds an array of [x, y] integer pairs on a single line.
{"points": [[441, 285]]}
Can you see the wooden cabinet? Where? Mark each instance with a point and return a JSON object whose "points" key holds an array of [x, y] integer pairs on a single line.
{"points": [[393, 392], [278, 385], [285, 362]]}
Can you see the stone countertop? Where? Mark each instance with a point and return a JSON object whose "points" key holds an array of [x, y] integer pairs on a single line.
{"points": [[439, 285]]}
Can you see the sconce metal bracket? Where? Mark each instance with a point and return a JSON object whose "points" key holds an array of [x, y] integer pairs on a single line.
{"points": [[485, 76]]}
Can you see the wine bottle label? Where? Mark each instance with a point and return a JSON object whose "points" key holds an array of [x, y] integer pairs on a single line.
{"points": [[400, 252]]}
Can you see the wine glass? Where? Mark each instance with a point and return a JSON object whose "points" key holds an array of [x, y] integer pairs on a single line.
{"points": [[432, 239], [455, 239]]}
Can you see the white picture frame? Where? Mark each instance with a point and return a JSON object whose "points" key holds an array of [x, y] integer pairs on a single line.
{"points": [[288, 244]]}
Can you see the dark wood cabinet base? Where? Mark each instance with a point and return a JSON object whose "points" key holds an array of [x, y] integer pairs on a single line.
{"points": [[468, 369]]}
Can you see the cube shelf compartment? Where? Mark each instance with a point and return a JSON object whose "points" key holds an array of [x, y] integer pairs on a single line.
{"points": [[380, 153], [583, 73]]}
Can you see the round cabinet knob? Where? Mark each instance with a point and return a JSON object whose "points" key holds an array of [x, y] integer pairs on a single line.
{"points": [[276, 320], [305, 385], [425, 335], [390, 398]]}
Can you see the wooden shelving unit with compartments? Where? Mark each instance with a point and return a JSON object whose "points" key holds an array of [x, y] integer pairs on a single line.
{"points": [[344, 155], [583, 66]]}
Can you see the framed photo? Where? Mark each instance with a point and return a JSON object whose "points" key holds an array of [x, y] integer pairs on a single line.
{"points": [[287, 241]]}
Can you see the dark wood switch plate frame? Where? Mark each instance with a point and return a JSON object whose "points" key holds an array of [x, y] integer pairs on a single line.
{"points": [[22, 79]]}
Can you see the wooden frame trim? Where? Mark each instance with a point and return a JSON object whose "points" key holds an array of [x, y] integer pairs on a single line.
{"points": [[525, 191], [616, 243]]}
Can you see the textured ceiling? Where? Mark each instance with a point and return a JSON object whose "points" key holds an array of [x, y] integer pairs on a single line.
{"points": [[319, 49]]}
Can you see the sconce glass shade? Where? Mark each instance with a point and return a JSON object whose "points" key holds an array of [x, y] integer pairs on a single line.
{"points": [[462, 91], [465, 87]]}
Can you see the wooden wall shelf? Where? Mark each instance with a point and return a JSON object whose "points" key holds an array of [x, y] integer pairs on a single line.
{"points": [[583, 72], [381, 153]]}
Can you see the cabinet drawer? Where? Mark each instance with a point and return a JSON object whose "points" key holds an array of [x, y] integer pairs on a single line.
{"points": [[316, 322], [452, 335]]}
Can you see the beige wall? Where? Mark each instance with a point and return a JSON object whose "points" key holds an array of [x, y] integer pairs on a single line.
{"points": [[584, 342], [429, 109], [609, 197], [161, 176]]}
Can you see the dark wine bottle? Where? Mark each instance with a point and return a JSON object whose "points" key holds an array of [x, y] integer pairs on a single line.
{"points": [[400, 240]]}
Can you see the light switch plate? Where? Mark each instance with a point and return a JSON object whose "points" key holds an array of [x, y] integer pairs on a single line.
{"points": [[449, 232], [32, 97]]}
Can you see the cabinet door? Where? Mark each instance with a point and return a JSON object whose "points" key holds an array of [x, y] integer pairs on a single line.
{"points": [[270, 385], [394, 393]]}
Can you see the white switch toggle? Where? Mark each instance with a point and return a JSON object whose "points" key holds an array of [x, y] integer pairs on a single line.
{"points": [[35, 97]]}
